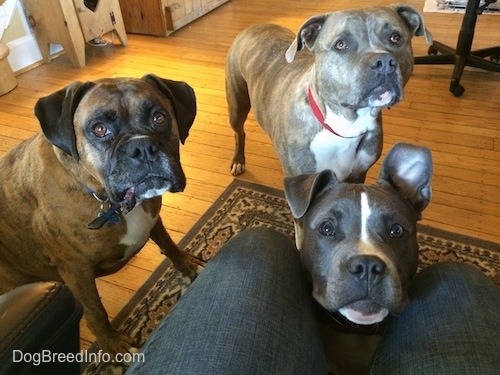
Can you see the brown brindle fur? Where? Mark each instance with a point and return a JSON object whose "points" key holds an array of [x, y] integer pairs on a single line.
{"points": [[45, 208]]}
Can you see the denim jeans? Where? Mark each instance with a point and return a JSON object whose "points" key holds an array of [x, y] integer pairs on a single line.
{"points": [[251, 312], [451, 326]]}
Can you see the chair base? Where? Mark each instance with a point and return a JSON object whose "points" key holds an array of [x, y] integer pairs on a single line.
{"points": [[462, 56]]}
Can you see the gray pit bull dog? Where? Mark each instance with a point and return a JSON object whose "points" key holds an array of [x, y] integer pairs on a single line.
{"points": [[322, 108], [80, 199], [358, 244]]}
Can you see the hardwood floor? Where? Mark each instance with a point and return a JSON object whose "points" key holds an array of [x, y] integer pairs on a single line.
{"points": [[463, 133]]}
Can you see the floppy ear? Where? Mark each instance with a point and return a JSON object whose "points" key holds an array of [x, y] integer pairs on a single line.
{"points": [[301, 190], [183, 99], [306, 35], [414, 21], [55, 114], [408, 169]]}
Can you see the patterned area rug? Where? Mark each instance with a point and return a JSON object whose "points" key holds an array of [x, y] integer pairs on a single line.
{"points": [[245, 205]]}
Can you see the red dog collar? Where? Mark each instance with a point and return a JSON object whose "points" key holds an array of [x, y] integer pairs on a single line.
{"points": [[319, 115]]}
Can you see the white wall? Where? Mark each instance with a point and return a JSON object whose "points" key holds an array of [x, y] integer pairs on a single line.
{"points": [[23, 47]]}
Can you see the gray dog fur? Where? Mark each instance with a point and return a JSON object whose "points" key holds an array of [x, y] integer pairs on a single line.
{"points": [[358, 244], [357, 64]]}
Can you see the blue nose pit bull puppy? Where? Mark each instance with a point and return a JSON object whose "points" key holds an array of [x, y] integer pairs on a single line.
{"points": [[321, 107], [358, 244]]}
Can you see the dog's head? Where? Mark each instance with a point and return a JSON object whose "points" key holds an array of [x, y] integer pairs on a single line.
{"points": [[365, 54], [358, 242], [123, 132]]}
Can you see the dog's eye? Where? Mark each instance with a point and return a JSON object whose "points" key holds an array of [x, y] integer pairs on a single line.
{"points": [[397, 231], [327, 229], [159, 119], [100, 130], [341, 45], [395, 38]]}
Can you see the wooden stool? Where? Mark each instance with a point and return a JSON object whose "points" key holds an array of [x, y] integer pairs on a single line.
{"points": [[7, 79]]}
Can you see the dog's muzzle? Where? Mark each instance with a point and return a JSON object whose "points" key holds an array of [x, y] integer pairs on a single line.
{"points": [[386, 89], [143, 170]]}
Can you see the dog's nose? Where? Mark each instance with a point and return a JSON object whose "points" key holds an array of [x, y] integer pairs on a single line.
{"points": [[367, 268], [143, 151], [383, 63]]}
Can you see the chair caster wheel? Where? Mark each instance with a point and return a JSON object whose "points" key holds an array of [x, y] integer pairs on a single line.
{"points": [[457, 90], [432, 51], [495, 58]]}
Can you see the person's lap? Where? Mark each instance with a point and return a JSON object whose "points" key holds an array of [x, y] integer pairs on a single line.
{"points": [[451, 326], [245, 313], [251, 312]]}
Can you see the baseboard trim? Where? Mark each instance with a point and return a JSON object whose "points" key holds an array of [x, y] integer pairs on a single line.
{"points": [[23, 52]]}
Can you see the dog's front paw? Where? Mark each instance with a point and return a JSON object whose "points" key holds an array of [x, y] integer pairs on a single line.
{"points": [[117, 343], [189, 265], [237, 168]]}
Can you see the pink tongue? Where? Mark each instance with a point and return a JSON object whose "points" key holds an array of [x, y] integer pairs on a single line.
{"points": [[128, 201], [383, 99], [360, 318], [129, 194], [386, 96]]}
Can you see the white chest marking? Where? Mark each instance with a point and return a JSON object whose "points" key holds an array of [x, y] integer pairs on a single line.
{"points": [[341, 154], [139, 225], [346, 128]]}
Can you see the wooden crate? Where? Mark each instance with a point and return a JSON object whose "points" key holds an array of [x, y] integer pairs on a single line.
{"points": [[162, 17]]}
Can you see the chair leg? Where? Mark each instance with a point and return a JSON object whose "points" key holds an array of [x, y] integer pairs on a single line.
{"points": [[439, 53], [493, 53], [455, 87]]}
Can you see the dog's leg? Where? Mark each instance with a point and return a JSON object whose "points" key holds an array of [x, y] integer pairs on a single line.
{"points": [[238, 101], [184, 262], [81, 281]]}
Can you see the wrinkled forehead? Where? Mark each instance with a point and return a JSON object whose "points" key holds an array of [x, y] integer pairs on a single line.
{"points": [[364, 22], [354, 200], [120, 96], [121, 91]]}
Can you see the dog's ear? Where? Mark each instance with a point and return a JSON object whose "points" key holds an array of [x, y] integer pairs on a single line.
{"points": [[306, 36], [301, 190], [55, 114], [408, 169], [183, 99], [414, 21]]}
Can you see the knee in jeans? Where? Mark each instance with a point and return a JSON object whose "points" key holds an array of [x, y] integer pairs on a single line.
{"points": [[455, 270], [262, 243], [460, 276]]}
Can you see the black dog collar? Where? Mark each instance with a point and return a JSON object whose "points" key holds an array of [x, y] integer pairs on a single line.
{"points": [[112, 215]]}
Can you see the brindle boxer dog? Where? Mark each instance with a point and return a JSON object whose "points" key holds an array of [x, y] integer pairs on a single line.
{"points": [[78, 201]]}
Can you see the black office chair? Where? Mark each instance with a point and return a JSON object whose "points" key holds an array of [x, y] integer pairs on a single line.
{"points": [[462, 55]]}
